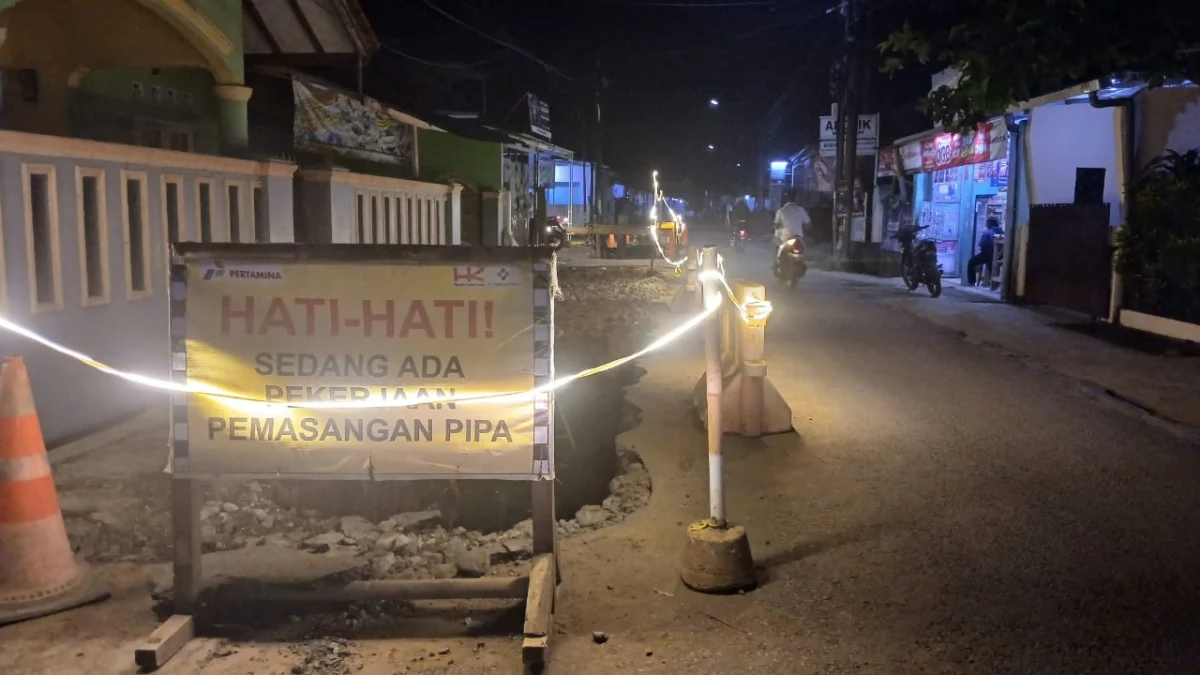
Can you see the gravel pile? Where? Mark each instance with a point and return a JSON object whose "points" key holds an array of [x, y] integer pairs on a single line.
{"points": [[599, 300], [412, 545]]}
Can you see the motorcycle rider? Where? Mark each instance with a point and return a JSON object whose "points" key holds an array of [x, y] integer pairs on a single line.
{"points": [[790, 220]]}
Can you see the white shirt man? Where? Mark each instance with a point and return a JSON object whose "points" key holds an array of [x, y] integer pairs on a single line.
{"points": [[790, 221]]}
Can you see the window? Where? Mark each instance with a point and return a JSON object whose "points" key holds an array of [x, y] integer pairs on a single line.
{"points": [[387, 220], [41, 237], [27, 82], [173, 209], [204, 210], [262, 226], [135, 214], [93, 236], [162, 135], [360, 217], [233, 205], [180, 140], [375, 236]]}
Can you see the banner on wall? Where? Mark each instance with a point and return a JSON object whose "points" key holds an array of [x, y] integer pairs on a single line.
{"points": [[985, 143], [825, 169], [379, 333], [888, 162], [329, 119]]}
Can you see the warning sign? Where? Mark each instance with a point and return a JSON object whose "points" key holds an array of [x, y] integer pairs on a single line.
{"points": [[369, 357]]}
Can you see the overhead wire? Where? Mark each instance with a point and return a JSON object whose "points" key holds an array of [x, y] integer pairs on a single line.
{"points": [[503, 43]]}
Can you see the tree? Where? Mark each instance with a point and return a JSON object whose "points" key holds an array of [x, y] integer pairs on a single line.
{"points": [[1013, 50]]}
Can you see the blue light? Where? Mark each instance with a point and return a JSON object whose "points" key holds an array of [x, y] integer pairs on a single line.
{"points": [[778, 166]]}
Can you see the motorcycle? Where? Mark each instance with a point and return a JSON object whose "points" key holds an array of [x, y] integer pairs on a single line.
{"points": [[555, 233], [918, 261], [789, 263], [739, 236]]}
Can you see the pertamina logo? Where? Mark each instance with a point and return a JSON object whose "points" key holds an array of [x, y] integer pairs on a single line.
{"points": [[488, 276], [250, 273]]}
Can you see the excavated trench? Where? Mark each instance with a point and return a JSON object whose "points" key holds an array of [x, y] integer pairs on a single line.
{"points": [[590, 414]]}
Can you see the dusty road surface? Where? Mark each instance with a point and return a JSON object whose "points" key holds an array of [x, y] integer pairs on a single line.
{"points": [[943, 508]]}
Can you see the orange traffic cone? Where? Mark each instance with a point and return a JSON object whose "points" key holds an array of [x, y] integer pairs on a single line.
{"points": [[38, 573]]}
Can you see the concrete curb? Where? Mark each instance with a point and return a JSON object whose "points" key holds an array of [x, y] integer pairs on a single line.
{"points": [[79, 447]]}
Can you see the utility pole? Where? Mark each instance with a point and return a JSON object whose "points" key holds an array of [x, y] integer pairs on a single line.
{"points": [[847, 131], [597, 211]]}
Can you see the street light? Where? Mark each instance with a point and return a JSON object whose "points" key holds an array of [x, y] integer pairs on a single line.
{"points": [[713, 103], [711, 147]]}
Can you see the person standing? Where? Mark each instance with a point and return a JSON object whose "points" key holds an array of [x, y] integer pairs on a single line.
{"points": [[987, 249]]}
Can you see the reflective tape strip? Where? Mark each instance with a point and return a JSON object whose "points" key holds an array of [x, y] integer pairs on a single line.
{"points": [[28, 501], [21, 437], [24, 468]]}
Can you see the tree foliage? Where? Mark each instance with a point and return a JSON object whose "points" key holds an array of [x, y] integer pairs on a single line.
{"points": [[1158, 249], [1012, 50]]}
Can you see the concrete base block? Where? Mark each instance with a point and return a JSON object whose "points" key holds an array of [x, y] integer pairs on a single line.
{"points": [[717, 560], [777, 414]]}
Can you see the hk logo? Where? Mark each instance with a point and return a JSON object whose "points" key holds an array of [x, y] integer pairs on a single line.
{"points": [[468, 276], [214, 272], [503, 274]]}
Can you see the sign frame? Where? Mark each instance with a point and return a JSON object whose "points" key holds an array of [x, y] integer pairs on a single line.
{"points": [[537, 588], [539, 259]]}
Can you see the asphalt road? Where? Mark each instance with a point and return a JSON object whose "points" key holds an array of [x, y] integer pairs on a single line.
{"points": [[943, 509]]}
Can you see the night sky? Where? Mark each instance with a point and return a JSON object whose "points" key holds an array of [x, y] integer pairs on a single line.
{"points": [[662, 60]]}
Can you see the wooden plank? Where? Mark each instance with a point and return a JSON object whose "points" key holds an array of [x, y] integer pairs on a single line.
{"points": [[164, 642], [533, 650], [539, 605], [500, 588], [185, 521], [545, 529], [545, 526]]}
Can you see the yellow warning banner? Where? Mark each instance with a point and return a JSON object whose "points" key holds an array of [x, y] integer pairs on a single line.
{"points": [[367, 353]]}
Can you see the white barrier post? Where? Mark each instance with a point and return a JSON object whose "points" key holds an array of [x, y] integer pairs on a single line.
{"points": [[717, 556], [712, 359]]}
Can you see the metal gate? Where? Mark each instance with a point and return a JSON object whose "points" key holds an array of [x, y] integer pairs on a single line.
{"points": [[1068, 259]]}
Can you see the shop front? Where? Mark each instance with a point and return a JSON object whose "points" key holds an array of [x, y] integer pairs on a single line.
{"points": [[960, 182]]}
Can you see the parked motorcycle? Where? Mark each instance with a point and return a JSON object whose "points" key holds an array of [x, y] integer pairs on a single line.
{"points": [[918, 261], [789, 263]]}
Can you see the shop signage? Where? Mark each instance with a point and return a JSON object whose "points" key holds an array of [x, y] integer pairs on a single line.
{"points": [[865, 147], [868, 135], [986, 143], [868, 127], [539, 116]]}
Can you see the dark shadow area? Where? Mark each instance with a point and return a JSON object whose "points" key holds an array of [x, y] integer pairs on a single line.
{"points": [[1147, 343]]}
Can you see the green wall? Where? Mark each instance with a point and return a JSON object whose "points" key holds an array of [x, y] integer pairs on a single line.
{"points": [[442, 156], [105, 104]]}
